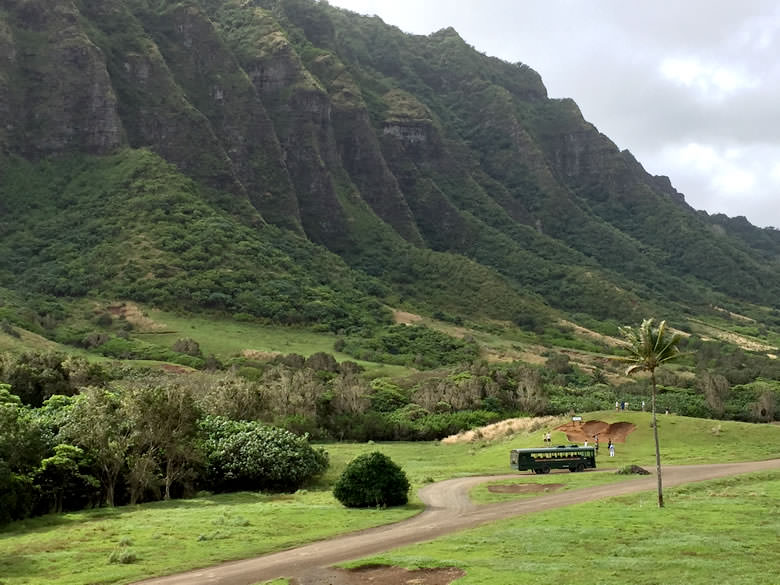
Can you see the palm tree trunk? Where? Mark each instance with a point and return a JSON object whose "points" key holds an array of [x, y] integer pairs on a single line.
{"points": [[657, 447]]}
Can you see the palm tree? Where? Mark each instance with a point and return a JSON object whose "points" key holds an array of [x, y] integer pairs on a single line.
{"points": [[650, 347]]}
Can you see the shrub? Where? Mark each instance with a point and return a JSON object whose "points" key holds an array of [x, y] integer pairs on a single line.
{"points": [[372, 480], [412, 345], [104, 319], [187, 346], [123, 556], [253, 456]]}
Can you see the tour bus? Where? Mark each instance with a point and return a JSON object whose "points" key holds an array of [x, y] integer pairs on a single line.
{"points": [[543, 459]]}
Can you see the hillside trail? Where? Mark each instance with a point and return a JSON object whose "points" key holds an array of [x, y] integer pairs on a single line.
{"points": [[448, 509]]}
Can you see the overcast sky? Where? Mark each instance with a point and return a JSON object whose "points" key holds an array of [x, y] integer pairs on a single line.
{"points": [[690, 87]]}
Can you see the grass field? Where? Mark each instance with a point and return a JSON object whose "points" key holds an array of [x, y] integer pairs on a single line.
{"points": [[225, 339], [723, 531], [166, 537]]}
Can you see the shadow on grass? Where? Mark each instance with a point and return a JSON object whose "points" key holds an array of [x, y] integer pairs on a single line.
{"points": [[83, 517]]}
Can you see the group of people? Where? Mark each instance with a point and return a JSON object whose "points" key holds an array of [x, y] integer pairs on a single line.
{"points": [[624, 405], [610, 445]]}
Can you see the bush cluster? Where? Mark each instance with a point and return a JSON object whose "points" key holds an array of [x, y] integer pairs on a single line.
{"points": [[417, 346], [247, 455]]}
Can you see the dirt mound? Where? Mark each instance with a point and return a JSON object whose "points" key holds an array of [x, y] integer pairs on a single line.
{"points": [[523, 488], [632, 470], [379, 575], [594, 427], [579, 432], [504, 428]]}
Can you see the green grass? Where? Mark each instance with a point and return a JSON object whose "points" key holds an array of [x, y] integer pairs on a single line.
{"points": [[683, 440], [25, 342], [225, 338], [166, 537], [686, 440], [724, 531]]}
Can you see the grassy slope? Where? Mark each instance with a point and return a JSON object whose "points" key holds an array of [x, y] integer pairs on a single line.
{"points": [[167, 537], [225, 338]]}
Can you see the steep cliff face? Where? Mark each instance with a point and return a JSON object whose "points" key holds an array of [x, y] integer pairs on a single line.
{"points": [[58, 94], [154, 108], [214, 83], [301, 112], [412, 144], [7, 67], [358, 147]]}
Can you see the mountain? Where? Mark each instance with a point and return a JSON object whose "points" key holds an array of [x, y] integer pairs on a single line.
{"points": [[290, 161]]}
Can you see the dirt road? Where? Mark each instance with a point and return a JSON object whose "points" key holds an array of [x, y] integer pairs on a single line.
{"points": [[448, 509]]}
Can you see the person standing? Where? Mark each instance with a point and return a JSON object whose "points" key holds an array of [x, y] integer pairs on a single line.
{"points": [[611, 446]]}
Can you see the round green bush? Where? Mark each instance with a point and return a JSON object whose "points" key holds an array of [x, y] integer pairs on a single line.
{"points": [[372, 480]]}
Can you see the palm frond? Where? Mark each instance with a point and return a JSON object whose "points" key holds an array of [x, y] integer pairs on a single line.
{"points": [[648, 346]]}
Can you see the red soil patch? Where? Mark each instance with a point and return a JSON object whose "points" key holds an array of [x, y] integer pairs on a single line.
{"points": [[379, 575], [579, 432], [523, 488], [176, 369]]}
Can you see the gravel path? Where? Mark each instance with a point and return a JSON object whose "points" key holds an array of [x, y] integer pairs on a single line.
{"points": [[448, 509]]}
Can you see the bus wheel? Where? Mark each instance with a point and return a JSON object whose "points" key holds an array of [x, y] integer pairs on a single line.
{"points": [[572, 469], [545, 470], [580, 467]]}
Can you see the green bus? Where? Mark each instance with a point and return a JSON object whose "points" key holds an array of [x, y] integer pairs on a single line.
{"points": [[543, 459]]}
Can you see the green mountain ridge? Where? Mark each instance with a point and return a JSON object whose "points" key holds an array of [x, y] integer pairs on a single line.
{"points": [[299, 163]]}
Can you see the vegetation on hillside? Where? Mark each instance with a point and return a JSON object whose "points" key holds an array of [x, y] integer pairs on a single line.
{"points": [[77, 433], [303, 128]]}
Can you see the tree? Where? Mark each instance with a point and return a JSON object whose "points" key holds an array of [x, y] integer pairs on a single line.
{"points": [[650, 347], [715, 389], [98, 423], [164, 419], [65, 481], [530, 394]]}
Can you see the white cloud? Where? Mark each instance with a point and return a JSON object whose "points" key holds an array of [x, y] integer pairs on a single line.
{"points": [[711, 80], [735, 180]]}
